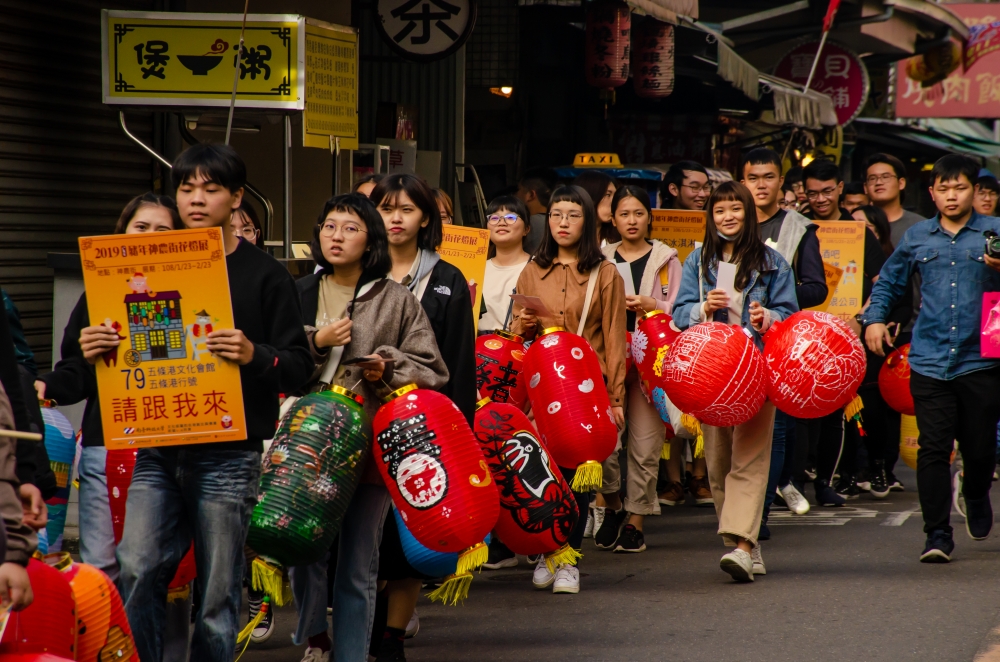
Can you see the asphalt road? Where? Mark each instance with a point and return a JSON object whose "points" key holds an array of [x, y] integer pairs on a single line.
{"points": [[842, 584]]}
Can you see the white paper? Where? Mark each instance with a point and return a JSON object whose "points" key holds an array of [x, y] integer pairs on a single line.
{"points": [[534, 303], [771, 243], [626, 273], [727, 279]]}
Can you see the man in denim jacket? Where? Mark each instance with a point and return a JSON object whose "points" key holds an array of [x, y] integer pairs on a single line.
{"points": [[954, 388]]}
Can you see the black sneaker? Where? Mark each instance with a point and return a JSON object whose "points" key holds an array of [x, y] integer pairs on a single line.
{"points": [[939, 548], [863, 480], [826, 495], [265, 628], [779, 501], [978, 517], [764, 533], [500, 556], [895, 484], [847, 488], [610, 528], [879, 487], [630, 540]]}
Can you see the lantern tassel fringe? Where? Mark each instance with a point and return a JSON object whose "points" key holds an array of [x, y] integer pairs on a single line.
{"points": [[588, 477], [665, 450], [271, 580], [472, 558], [562, 556], [455, 589], [852, 412], [692, 424], [178, 594]]}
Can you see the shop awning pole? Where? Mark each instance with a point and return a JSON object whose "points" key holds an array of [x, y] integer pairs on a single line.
{"points": [[236, 72], [288, 186]]}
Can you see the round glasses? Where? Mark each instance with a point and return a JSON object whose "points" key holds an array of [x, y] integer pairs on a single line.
{"points": [[508, 219], [348, 230]]}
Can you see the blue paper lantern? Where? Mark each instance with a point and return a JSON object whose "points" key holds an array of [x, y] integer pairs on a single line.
{"points": [[60, 444]]}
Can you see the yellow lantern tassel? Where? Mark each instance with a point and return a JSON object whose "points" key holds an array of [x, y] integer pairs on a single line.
{"points": [[178, 594], [472, 558], [692, 424], [852, 412], [271, 580], [589, 476], [562, 556], [665, 450], [455, 589], [245, 632]]}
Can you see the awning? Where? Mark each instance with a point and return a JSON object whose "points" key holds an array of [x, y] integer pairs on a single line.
{"points": [[878, 130], [931, 12], [811, 109]]}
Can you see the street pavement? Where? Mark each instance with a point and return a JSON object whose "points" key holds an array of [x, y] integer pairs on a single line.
{"points": [[842, 584]]}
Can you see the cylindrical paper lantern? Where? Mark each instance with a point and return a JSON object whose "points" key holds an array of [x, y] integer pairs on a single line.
{"points": [[498, 367], [653, 58], [60, 444], [104, 631], [815, 364], [894, 381], [119, 644], [608, 38], [436, 474], [715, 373], [654, 334], [909, 436], [48, 625], [571, 405]]}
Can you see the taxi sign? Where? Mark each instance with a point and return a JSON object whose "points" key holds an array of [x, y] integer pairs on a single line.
{"points": [[596, 160]]}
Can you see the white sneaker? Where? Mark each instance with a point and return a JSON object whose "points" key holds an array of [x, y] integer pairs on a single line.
{"points": [[567, 579], [589, 531], [315, 655], [738, 565], [958, 499], [542, 578], [413, 627], [758, 561], [796, 502]]}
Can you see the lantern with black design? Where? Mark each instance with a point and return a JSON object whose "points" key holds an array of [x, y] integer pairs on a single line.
{"points": [[499, 369], [571, 404], [537, 508], [607, 44], [436, 474], [652, 58]]}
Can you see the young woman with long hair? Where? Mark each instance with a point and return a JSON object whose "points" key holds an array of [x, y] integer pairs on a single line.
{"points": [[738, 457], [601, 188]]}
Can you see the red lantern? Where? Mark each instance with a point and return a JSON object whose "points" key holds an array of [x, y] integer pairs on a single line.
{"points": [[894, 381], [628, 351], [498, 368], [104, 630], [653, 59], [538, 510], [654, 334], [815, 364], [48, 625], [571, 405], [436, 474], [715, 373], [607, 44]]}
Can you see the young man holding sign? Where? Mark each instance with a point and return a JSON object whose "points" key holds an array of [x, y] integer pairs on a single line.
{"points": [[206, 492]]}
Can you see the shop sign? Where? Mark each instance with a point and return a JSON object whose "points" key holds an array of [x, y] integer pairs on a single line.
{"points": [[840, 74], [425, 30], [680, 229], [331, 86]]}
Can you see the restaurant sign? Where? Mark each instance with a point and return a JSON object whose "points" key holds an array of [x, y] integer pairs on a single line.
{"points": [[840, 74]]}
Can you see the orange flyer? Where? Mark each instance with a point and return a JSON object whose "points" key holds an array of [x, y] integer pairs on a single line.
{"points": [[679, 229], [842, 246], [163, 292], [466, 248]]}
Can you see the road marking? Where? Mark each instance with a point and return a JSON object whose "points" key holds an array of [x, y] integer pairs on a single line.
{"points": [[897, 519], [816, 517]]}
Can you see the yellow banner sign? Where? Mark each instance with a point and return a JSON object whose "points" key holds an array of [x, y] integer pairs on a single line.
{"points": [[331, 86], [163, 292], [842, 246], [679, 229], [466, 248]]}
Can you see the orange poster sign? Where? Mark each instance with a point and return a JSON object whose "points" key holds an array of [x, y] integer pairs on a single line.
{"points": [[163, 292], [679, 229], [842, 245], [466, 248]]}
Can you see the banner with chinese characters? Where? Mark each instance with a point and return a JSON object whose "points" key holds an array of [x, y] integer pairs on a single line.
{"points": [[466, 248], [840, 74], [331, 86], [679, 229], [163, 292], [842, 246]]}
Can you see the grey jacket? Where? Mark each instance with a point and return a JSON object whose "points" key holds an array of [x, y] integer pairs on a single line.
{"points": [[792, 229]]}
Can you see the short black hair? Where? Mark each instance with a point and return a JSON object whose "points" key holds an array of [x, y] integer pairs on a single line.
{"points": [[822, 170], [632, 191], [376, 258], [762, 156], [540, 180], [588, 251], [854, 188], [219, 164], [510, 203], [152, 199], [954, 166], [793, 176], [416, 189], [371, 177], [675, 176], [881, 157], [989, 183]]}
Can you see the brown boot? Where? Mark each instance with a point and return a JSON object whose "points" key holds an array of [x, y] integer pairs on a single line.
{"points": [[701, 491], [672, 496]]}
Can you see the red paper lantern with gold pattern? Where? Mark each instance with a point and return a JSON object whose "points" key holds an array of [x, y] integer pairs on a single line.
{"points": [[48, 625], [894, 381], [654, 334], [607, 44], [571, 405], [436, 474], [499, 357], [715, 373], [653, 58]]}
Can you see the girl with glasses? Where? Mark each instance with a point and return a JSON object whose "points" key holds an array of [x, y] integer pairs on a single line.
{"points": [[245, 224], [505, 218]]}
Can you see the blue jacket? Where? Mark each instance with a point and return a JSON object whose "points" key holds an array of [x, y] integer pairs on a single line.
{"points": [[954, 276], [774, 288]]}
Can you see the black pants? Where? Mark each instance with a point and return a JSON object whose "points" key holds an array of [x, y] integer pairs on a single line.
{"points": [[965, 408], [827, 433], [583, 503]]}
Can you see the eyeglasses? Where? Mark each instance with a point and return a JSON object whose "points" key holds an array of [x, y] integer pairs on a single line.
{"points": [[573, 217], [248, 232], [884, 177], [825, 193], [707, 188], [987, 194], [509, 219], [349, 230]]}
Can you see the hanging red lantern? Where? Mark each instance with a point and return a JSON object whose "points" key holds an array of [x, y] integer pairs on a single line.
{"points": [[104, 630], [499, 357], [815, 364], [537, 508], [436, 474], [894, 381], [47, 625], [607, 44], [654, 334], [653, 59], [715, 373], [571, 405]]}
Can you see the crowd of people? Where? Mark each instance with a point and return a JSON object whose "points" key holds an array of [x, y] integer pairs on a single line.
{"points": [[383, 310]]}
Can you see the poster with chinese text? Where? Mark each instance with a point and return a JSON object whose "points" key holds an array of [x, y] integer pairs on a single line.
{"points": [[163, 292], [842, 246], [466, 248], [679, 229]]}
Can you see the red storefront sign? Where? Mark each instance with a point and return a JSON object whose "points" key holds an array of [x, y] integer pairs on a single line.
{"points": [[840, 74]]}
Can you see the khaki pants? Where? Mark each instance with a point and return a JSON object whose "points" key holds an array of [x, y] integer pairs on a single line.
{"points": [[645, 443], [738, 461]]}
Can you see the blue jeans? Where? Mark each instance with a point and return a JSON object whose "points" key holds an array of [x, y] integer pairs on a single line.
{"points": [[179, 494], [354, 585], [97, 536], [782, 422]]}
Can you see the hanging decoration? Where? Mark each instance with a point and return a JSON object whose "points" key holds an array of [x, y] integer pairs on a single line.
{"points": [[653, 58], [499, 357], [60, 445], [607, 44], [894, 381], [47, 625]]}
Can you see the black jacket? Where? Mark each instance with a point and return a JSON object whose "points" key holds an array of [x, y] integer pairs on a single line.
{"points": [[810, 278]]}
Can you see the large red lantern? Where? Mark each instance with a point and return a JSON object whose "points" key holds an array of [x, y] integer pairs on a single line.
{"points": [[715, 373], [436, 474], [498, 368], [653, 59], [815, 364], [654, 334], [571, 405], [894, 381], [48, 625], [537, 508], [609, 23]]}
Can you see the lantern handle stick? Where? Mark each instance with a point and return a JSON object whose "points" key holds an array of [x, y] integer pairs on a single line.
{"points": [[355, 387], [14, 434]]}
